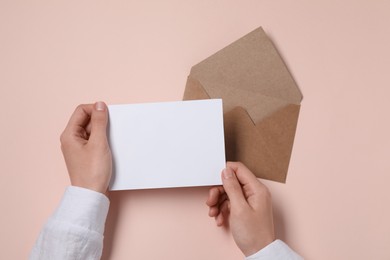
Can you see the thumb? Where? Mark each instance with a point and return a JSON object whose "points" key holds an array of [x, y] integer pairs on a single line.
{"points": [[232, 187], [99, 120]]}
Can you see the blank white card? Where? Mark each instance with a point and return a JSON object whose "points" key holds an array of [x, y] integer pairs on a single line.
{"points": [[170, 144]]}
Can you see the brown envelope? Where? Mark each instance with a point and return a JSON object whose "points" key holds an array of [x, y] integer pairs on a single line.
{"points": [[261, 102]]}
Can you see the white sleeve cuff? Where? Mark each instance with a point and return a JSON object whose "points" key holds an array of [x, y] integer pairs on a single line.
{"points": [[277, 250], [83, 207]]}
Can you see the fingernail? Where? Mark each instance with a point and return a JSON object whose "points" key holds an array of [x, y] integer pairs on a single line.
{"points": [[100, 106], [227, 173]]}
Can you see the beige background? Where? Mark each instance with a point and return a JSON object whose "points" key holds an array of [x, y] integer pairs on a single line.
{"points": [[57, 54]]}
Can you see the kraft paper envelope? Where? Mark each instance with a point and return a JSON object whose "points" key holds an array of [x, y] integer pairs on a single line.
{"points": [[170, 144], [261, 102]]}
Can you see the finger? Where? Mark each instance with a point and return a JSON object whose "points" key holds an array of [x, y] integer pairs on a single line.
{"points": [[225, 211], [254, 190], [214, 211], [79, 118], [233, 188], [214, 195], [88, 128], [99, 121], [244, 175], [219, 219]]}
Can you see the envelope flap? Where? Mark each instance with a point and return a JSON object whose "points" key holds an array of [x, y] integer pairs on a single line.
{"points": [[266, 147], [278, 133], [244, 144], [251, 69], [194, 90]]}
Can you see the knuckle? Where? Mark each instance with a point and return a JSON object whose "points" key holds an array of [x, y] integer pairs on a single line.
{"points": [[239, 164], [65, 140], [265, 192], [100, 119], [100, 146], [80, 107], [233, 188]]}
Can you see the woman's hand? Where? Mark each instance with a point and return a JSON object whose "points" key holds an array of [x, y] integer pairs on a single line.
{"points": [[85, 147], [244, 204]]}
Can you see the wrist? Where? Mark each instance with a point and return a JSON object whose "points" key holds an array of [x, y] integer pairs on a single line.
{"points": [[97, 188], [256, 247]]}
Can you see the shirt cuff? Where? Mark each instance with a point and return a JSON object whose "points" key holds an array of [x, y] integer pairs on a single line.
{"points": [[276, 250], [83, 207]]}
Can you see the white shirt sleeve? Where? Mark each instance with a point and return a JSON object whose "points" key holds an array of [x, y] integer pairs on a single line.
{"points": [[75, 230], [277, 250]]}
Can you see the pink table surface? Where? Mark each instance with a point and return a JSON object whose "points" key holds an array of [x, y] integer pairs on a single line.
{"points": [[57, 54]]}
